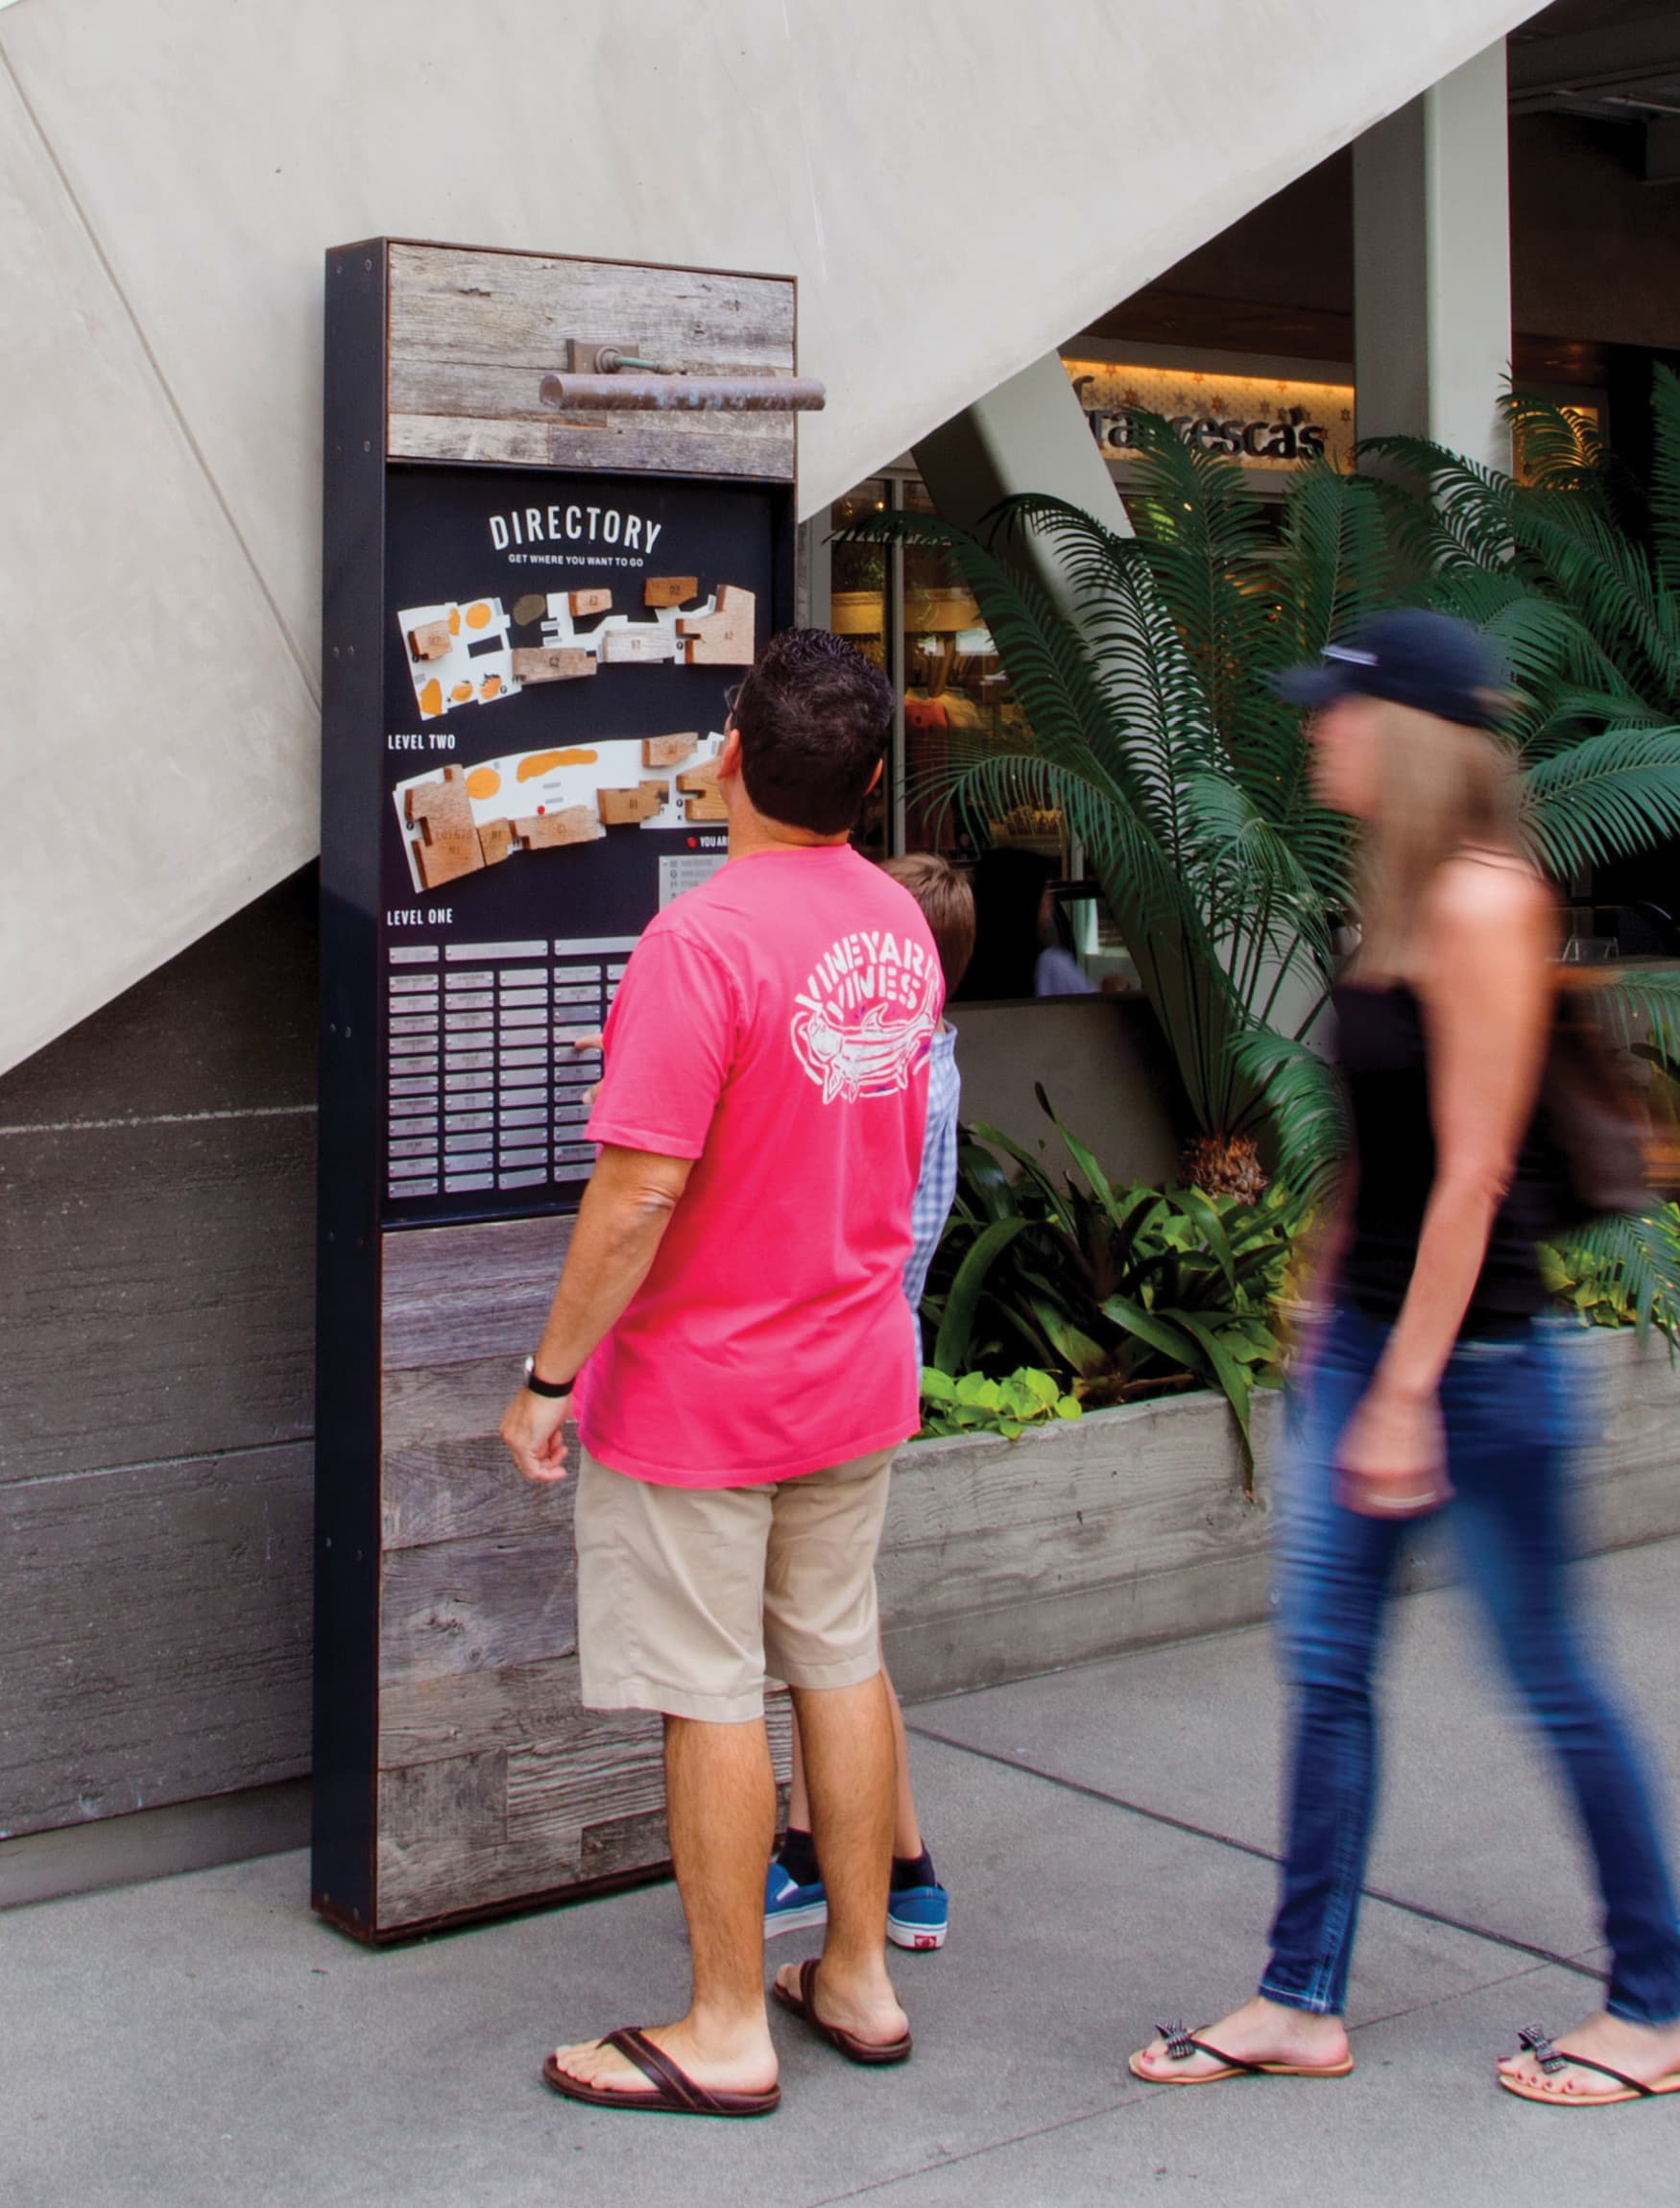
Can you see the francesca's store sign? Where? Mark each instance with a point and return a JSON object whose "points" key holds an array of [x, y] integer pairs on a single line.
{"points": [[1269, 423]]}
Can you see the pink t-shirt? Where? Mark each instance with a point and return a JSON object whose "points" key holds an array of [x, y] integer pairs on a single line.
{"points": [[774, 1026]]}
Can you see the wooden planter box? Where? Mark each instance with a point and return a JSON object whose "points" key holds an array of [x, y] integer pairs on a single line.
{"points": [[1005, 1558], [1000, 1559]]}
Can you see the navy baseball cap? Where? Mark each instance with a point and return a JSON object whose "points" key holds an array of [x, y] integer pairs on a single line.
{"points": [[1430, 662]]}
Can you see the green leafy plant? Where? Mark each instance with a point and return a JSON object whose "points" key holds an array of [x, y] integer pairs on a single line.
{"points": [[974, 1403], [1620, 1272], [1121, 1292]]}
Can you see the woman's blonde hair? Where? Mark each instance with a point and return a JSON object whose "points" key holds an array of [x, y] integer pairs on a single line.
{"points": [[1441, 787]]}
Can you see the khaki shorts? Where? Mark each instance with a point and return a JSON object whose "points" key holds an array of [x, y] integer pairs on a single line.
{"points": [[690, 1597]]}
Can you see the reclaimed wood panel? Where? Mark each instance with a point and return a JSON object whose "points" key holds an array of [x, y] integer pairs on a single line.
{"points": [[155, 1633], [472, 334], [494, 1784], [465, 1796], [421, 1879], [508, 1829], [622, 444], [477, 1605], [446, 1714], [457, 1294], [447, 1474]]}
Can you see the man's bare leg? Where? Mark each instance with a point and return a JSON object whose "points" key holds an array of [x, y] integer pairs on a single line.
{"points": [[849, 1766], [907, 1826], [720, 1795], [799, 1795]]}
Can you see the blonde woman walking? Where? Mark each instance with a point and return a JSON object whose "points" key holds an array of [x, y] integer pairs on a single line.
{"points": [[1435, 1379]]}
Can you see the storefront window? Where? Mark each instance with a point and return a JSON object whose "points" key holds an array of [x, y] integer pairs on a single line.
{"points": [[860, 609], [911, 612], [957, 699]]}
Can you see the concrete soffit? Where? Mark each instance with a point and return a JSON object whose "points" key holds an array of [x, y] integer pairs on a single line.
{"points": [[173, 171]]}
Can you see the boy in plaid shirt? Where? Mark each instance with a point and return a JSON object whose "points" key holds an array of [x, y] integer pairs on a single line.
{"points": [[918, 1905]]}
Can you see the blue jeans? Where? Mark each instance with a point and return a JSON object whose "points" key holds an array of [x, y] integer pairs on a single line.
{"points": [[1511, 1423]]}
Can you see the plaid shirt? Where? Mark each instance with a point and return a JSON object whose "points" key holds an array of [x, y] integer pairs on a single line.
{"points": [[936, 1189]]}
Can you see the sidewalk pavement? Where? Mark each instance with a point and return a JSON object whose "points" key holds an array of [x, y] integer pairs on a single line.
{"points": [[1104, 1833]]}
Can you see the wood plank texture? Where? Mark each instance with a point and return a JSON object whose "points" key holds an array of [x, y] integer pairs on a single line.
{"points": [[999, 1560], [591, 1805], [156, 1390], [155, 1630], [157, 1212], [453, 1294], [472, 334], [465, 1797], [495, 1784], [448, 1475], [477, 1605], [156, 1290]]}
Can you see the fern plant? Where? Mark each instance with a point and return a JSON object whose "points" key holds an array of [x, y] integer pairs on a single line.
{"points": [[1573, 569], [1150, 725]]}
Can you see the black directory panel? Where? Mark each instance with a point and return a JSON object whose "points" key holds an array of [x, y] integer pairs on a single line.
{"points": [[557, 655], [536, 593]]}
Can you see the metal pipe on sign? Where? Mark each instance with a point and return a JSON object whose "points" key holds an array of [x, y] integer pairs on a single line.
{"points": [[695, 393]]}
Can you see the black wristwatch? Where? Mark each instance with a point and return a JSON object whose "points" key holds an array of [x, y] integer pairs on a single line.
{"points": [[556, 1391]]}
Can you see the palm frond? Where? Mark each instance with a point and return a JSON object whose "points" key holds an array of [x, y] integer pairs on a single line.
{"points": [[1665, 484], [1336, 566], [1199, 525], [1641, 1005], [1306, 1116], [1473, 506], [1556, 448], [1640, 1253], [1603, 798], [1603, 575]]}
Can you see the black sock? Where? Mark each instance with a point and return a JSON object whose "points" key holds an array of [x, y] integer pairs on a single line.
{"points": [[917, 1872], [798, 1858]]}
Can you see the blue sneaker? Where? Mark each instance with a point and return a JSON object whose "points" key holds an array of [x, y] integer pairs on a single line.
{"points": [[789, 1906], [918, 1917]]}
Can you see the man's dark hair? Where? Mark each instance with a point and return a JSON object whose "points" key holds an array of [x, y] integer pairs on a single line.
{"points": [[814, 717]]}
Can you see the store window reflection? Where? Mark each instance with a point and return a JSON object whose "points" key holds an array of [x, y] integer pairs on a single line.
{"points": [[957, 699], [908, 610], [860, 609]]}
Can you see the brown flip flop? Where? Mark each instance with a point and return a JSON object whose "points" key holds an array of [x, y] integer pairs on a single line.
{"points": [[673, 2092], [1181, 2045], [1551, 2059], [803, 2004]]}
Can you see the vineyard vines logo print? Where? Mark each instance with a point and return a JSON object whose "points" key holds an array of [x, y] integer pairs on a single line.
{"points": [[866, 1014]]}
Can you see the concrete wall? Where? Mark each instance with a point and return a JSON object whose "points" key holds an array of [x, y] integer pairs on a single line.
{"points": [[171, 171], [157, 1303], [1101, 1063]]}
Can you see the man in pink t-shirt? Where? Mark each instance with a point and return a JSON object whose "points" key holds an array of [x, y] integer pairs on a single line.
{"points": [[730, 1327]]}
